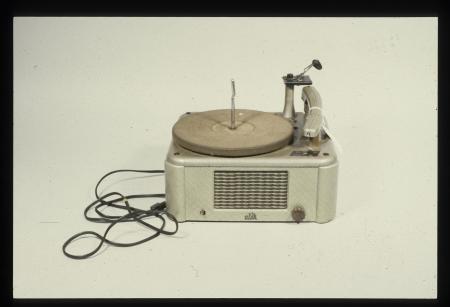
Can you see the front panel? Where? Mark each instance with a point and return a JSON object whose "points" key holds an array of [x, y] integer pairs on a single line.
{"points": [[249, 194]]}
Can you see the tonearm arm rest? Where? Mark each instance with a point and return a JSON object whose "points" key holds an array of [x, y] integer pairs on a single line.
{"points": [[311, 97]]}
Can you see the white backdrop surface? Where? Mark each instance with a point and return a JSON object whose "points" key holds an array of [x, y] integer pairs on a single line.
{"points": [[97, 94]]}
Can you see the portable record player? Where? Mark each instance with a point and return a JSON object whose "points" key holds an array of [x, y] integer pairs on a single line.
{"points": [[247, 165], [236, 165]]}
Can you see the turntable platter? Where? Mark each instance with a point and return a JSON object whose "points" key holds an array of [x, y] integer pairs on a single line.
{"points": [[209, 133]]}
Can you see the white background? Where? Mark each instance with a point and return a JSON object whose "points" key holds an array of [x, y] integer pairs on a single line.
{"points": [[97, 94]]}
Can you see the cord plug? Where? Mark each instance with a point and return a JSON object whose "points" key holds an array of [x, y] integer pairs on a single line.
{"points": [[159, 206]]}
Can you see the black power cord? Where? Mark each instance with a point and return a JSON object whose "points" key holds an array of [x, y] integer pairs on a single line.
{"points": [[157, 210]]}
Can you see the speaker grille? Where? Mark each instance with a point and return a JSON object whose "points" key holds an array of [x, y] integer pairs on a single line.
{"points": [[250, 189]]}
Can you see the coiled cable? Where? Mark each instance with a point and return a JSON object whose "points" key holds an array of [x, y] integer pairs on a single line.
{"points": [[133, 214]]}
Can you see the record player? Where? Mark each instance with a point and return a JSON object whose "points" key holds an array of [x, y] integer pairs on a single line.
{"points": [[236, 165], [248, 165]]}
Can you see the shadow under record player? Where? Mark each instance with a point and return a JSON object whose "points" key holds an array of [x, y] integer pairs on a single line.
{"points": [[247, 165]]}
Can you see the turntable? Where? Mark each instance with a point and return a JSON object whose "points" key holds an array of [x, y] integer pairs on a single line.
{"points": [[247, 165]]}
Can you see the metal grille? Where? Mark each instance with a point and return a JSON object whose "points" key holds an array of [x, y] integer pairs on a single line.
{"points": [[250, 189]]}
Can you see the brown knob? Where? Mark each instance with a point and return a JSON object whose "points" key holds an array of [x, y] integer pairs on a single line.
{"points": [[298, 214]]}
